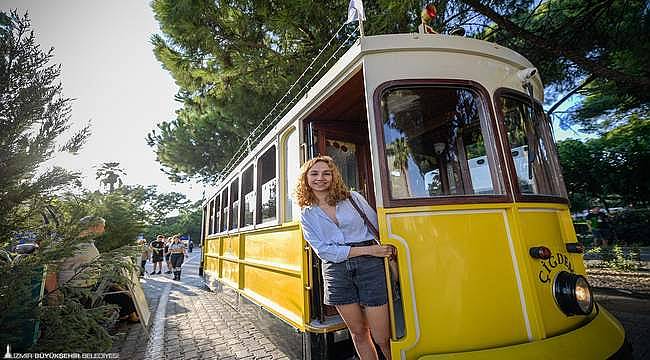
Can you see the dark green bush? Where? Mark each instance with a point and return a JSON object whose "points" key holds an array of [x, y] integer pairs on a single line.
{"points": [[632, 226]]}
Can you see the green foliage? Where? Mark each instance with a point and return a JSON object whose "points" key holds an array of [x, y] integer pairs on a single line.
{"points": [[109, 175], [569, 40], [33, 114], [71, 327], [156, 213], [613, 164], [124, 221], [615, 258], [187, 222], [16, 311], [632, 226]]}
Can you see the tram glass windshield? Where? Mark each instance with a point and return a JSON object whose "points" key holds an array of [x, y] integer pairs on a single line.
{"points": [[435, 143], [532, 148]]}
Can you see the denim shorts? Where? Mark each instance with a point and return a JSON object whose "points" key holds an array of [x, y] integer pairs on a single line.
{"points": [[357, 280]]}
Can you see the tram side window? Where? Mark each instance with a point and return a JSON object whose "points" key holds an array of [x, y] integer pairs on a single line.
{"points": [[248, 195], [206, 224], [217, 215], [224, 210], [210, 217], [532, 148], [292, 170], [266, 187], [435, 143], [234, 204]]}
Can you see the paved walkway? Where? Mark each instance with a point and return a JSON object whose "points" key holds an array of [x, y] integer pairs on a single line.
{"points": [[189, 322]]}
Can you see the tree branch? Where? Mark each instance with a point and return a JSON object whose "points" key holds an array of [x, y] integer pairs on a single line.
{"points": [[570, 93], [592, 66]]}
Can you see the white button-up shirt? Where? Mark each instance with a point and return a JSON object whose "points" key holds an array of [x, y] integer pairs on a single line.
{"points": [[328, 239]]}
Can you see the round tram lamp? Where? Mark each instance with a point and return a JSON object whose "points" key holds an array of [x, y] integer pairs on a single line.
{"points": [[573, 294]]}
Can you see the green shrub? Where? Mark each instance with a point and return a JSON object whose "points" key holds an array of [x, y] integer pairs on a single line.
{"points": [[632, 226], [616, 259]]}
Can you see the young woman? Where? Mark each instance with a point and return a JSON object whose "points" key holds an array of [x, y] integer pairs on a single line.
{"points": [[352, 263], [177, 255]]}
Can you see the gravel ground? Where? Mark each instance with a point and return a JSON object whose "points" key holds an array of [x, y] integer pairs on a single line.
{"points": [[634, 283]]}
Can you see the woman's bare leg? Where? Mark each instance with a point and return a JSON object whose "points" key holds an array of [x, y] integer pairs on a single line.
{"points": [[379, 322], [355, 320]]}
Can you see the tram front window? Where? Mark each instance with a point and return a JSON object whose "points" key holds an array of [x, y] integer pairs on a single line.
{"points": [[435, 143], [532, 148]]}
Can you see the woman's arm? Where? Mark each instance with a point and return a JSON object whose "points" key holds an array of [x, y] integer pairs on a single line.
{"points": [[325, 250], [373, 250]]}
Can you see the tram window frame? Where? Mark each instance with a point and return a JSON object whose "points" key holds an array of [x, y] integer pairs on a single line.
{"points": [[247, 181], [234, 201], [209, 209], [488, 128], [217, 214], [562, 198], [224, 210], [290, 209], [205, 229], [260, 176]]}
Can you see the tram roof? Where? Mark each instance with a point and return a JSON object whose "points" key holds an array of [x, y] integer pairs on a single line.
{"points": [[351, 62]]}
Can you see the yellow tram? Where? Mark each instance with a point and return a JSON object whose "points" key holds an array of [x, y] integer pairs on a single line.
{"points": [[445, 136]]}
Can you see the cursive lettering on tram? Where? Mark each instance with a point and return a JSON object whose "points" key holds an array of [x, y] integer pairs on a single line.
{"points": [[549, 265]]}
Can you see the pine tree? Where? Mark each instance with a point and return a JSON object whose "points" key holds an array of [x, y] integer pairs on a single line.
{"points": [[33, 115]]}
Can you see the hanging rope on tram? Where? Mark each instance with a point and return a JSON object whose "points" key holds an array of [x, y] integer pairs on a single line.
{"points": [[255, 135]]}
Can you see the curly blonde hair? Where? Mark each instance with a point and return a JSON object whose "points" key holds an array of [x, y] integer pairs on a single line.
{"points": [[338, 191]]}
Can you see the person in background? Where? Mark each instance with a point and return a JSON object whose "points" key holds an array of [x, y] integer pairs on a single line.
{"points": [[352, 263], [599, 225], [145, 254], [178, 252], [157, 248], [191, 246]]}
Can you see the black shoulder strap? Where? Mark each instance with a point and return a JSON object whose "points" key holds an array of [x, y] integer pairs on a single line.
{"points": [[370, 225]]}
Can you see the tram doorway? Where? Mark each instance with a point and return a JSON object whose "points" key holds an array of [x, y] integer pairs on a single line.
{"points": [[339, 128]]}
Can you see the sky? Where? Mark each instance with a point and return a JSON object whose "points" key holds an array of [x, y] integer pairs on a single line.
{"points": [[109, 69]]}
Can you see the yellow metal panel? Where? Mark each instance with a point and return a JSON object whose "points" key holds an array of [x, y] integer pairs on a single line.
{"points": [[548, 227], [230, 272], [230, 246], [466, 291], [212, 246], [277, 291], [282, 247], [599, 339], [211, 265], [265, 265]]}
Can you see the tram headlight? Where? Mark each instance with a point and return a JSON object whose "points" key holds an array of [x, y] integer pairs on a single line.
{"points": [[573, 294]]}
